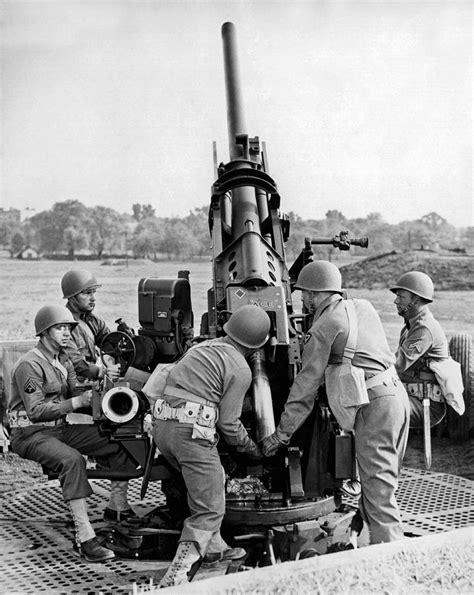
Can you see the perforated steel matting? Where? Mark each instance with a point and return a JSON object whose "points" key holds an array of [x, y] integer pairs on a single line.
{"points": [[36, 534]]}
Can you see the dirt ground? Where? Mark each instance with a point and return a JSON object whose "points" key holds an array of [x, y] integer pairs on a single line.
{"points": [[447, 456]]}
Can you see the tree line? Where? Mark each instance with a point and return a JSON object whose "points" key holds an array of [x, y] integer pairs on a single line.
{"points": [[70, 228]]}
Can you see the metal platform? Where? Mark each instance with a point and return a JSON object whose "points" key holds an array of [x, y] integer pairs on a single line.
{"points": [[36, 534]]}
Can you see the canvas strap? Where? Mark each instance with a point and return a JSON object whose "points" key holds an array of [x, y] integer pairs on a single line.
{"points": [[350, 348]]}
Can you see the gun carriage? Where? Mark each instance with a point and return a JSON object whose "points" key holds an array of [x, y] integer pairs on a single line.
{"points": [[287, 506]]}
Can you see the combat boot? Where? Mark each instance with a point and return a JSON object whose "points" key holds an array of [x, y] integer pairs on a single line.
{"points": [[351, 488], [231, 553], [180, 569], [92, 551]]}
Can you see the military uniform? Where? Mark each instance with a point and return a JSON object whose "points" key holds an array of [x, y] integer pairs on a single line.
{"points": [[381, 427], [422, 339], [87, 336], [214, 374], [43, 386]]}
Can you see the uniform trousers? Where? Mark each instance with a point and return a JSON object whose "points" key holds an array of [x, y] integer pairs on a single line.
{"points": [[199, 463], [381, 434], [60, 448]]}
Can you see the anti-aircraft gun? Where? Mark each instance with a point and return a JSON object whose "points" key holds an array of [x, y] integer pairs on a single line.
{"points": [[280, 506]]}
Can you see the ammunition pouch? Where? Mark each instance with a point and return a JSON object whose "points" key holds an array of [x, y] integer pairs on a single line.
{"points": [[203, 417], [19, 419], [422, 390]]}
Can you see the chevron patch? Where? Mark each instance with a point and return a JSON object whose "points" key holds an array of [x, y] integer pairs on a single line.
{"points": [[29, 386], [415, 346]]}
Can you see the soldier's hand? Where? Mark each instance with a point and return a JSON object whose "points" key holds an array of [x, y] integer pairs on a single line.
{"points": [[83, 400], [188, 333], [272, 443], [251, 450], [113, 371], [254, 452]]}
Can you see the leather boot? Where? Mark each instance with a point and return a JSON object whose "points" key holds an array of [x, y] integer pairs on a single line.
{"points": [[186, 556]]}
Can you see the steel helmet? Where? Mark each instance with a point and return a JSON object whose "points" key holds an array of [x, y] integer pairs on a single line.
{"points": [[73, 282], [48, 316], [320, 275], [416, 282], [249, 326]]}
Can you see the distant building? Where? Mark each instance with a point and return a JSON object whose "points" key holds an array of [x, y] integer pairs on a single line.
{"points": [[28, 253]]}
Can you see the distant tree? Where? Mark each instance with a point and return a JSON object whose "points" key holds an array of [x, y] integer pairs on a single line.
{"points": [[17, 242], [433, 220], [299, 230], [105, 229], [178, 242], [294, 218], [148, 237], [411, 235], [376, 229], [74, 239], [50, 227], [142, 212], [467, 238], [6, 233], [137, 211], [197, 225], [335, 215]]}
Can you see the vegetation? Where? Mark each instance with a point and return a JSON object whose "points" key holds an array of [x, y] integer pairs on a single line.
{"points": [[70, 229]]}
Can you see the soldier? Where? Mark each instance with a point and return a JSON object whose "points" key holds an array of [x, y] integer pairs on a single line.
{"points": [[43, 393], [205, 392], [379, 419], [422, 342], [79, 288]]}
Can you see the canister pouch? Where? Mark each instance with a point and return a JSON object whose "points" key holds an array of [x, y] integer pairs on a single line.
{"points": [[207, 416], [204, 433]]}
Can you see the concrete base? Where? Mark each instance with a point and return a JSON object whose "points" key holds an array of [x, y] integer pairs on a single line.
{"points": [[273, 579]]}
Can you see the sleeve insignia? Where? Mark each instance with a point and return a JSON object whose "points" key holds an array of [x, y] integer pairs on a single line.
{"points": [[415, 345], [29, 386], [307, 337]]}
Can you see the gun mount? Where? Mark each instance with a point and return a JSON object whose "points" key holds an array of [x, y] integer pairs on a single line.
{"points": [[293, 498]]}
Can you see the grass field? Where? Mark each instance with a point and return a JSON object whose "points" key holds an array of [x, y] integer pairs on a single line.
{"points": [[28, 285]]}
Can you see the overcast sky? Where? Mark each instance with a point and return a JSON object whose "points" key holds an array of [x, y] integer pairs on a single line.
{"points": [[364, 106]]}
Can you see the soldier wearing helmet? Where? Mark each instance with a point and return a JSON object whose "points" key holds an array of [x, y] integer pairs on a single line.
{"points": [[43, 392], [204, 394], [79, 288], [421, 340], [380, 424]]}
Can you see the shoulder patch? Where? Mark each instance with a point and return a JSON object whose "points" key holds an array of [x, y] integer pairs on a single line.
{"points": [[415, 345], [307, 337], [29, 386]]}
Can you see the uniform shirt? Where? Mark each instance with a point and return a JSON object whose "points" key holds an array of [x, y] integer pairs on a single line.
{"points": [[41, 389], [324, 344], [422, 337], [215, 370], [86, 336]]}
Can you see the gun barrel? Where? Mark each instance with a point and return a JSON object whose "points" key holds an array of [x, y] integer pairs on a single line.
{"points": [[245, 215], [235, 111]]}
